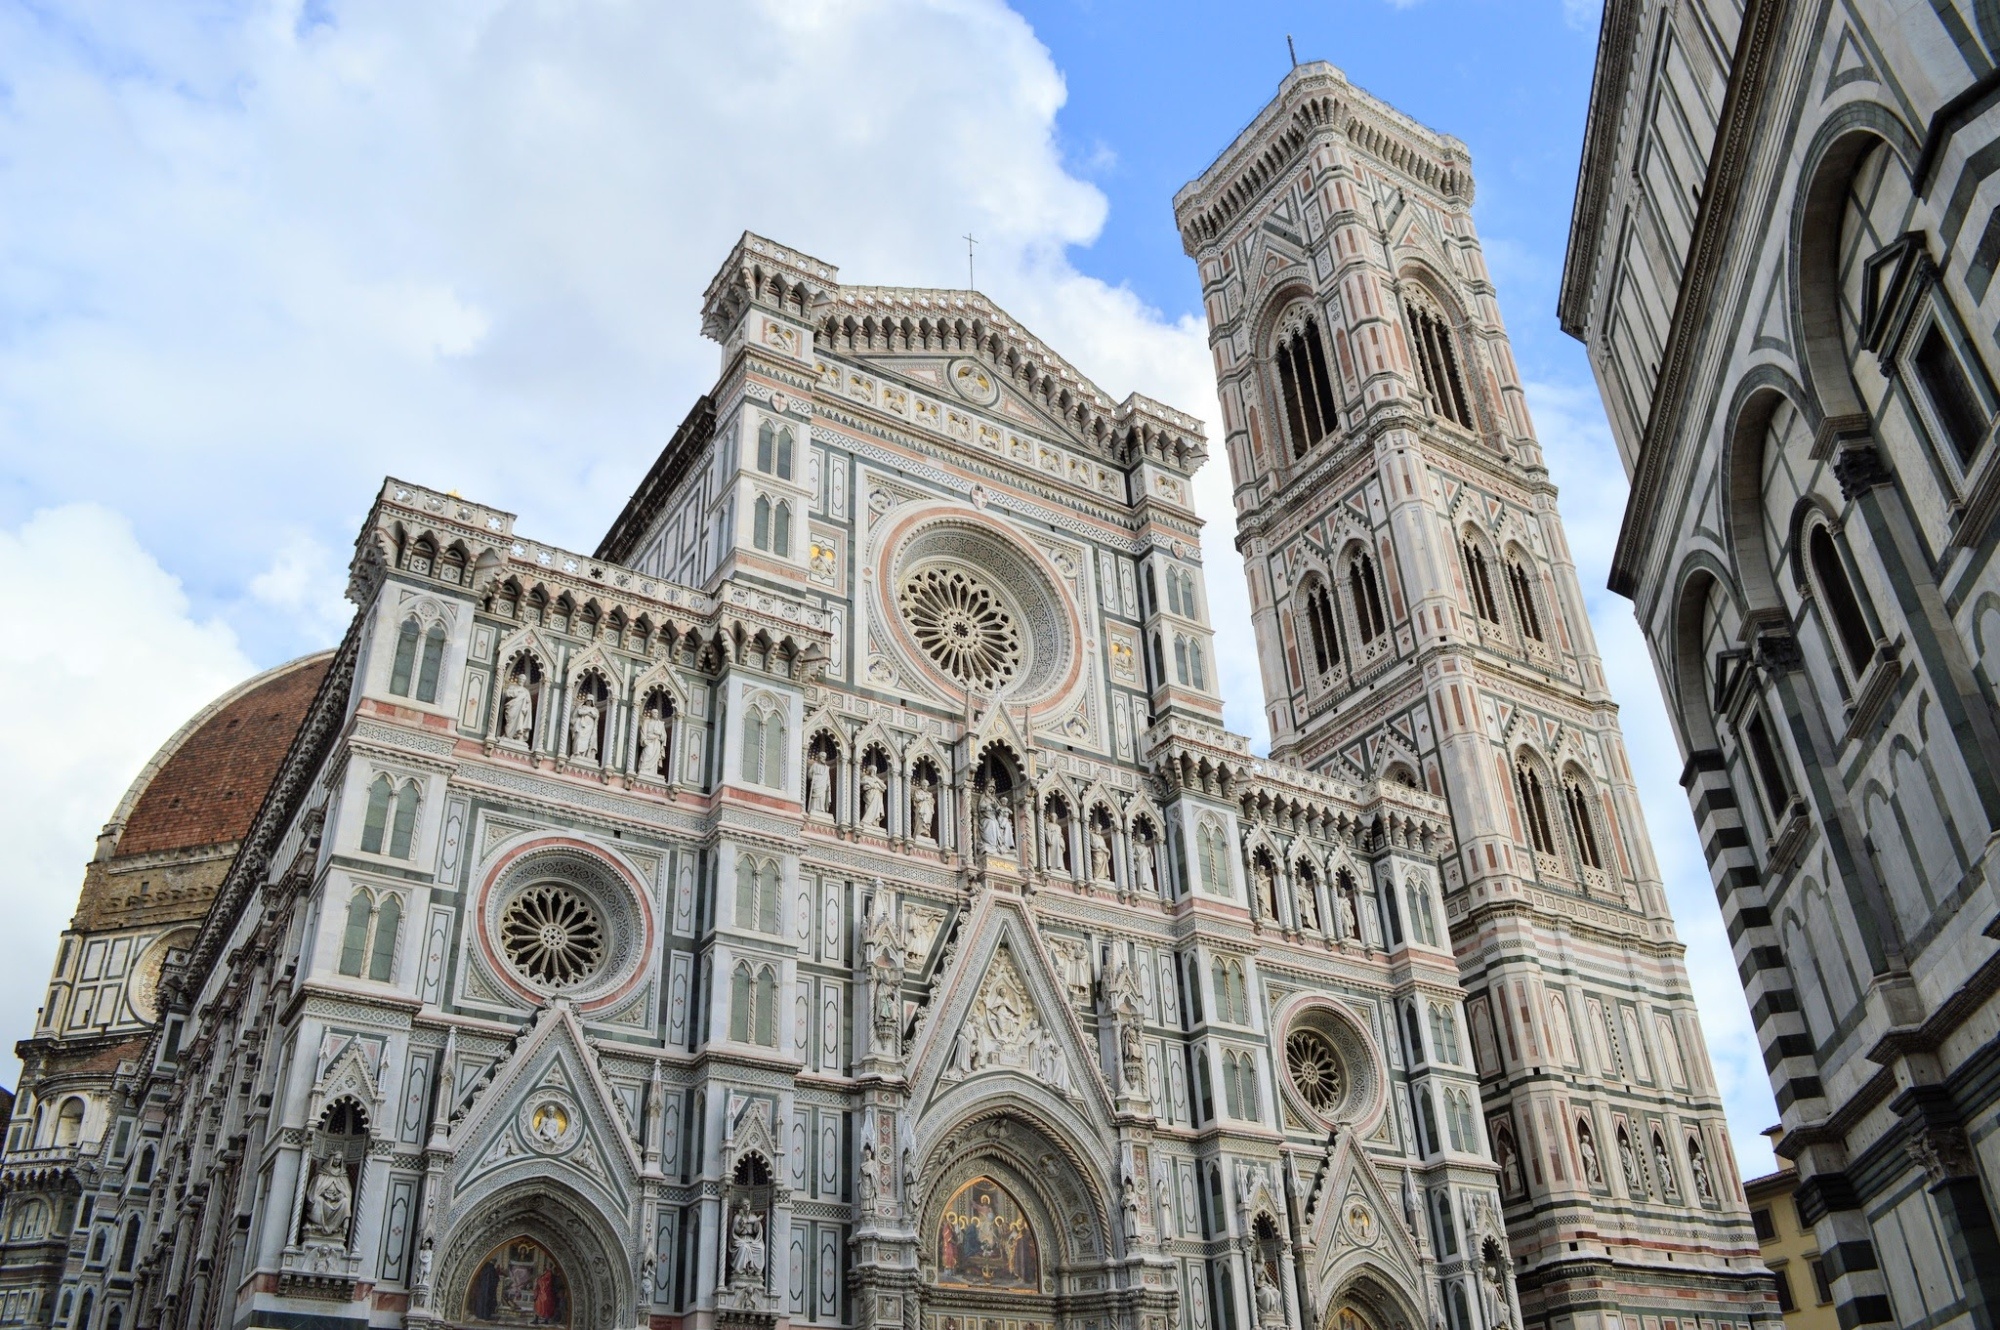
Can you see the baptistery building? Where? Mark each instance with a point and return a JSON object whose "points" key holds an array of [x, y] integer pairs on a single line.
{"points": [[1781, 262], [834, 900]]}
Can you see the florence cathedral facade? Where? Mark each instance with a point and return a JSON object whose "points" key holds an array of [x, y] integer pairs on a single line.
{"points": [[835, 901]]}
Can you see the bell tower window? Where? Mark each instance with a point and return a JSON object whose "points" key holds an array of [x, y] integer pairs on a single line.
{"points": [[1304, 383], [1437, 363]]}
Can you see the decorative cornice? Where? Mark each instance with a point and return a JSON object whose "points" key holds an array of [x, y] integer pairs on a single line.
{"points": [[1603, 123]]}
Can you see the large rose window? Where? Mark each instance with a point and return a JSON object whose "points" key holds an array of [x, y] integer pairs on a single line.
{"points": [[552, 935], [962, 626]]}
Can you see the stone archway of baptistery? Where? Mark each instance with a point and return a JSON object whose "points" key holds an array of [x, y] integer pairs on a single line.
{"points": [[535, 1255]]}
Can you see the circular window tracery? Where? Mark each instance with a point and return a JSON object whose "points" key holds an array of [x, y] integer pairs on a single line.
{"points": [[552, 935], [962, 625], [1315, 1069]]}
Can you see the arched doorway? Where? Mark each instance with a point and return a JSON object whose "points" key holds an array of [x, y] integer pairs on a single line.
{"points": [[537, 1256], [1012, 1226]]}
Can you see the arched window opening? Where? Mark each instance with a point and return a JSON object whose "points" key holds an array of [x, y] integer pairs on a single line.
{"points": [[1837, 597], [760, 523], [1367, 592], [767, 1007], [757, 883], [145, 1174], [406, 657], [742, 995], [1305, 385], [1437, 363], [1521, 590], [1582, 830], [1180, 659], [1433, 1143], [423, 554], [1444, 1034], [354, 941], [375, 818], [763, 758], [433, 662], [69, 1123], [382, 956], [781, 530], [128, 1251], [1534, 808], [83, 1310], [1204, 1096], [1479, 581], [1319, 619], [403, 829]]}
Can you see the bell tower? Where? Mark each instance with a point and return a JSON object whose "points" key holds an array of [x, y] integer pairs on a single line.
{"points": [[1419, 621]]}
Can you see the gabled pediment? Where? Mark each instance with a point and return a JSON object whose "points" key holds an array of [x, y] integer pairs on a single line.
{"points": [[1001, 1020], [546, 1110]]}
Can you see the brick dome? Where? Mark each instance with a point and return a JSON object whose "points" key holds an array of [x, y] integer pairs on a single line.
{"points": [[205, 785]]}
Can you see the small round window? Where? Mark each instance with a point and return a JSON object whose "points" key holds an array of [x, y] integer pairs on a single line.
{"points": [[552, 936]]}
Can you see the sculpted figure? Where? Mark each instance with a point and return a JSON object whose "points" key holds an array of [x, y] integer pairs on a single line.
{"points": [[992, 837], [330, 1202], [583, 729], [1308, 904], [1628, 1159], [1267, 888], [1349, 926], [1699, 1167], [1270, 1302], [653, 745], [517, 710], [1055, 842], [1664, 1165], [1142, 864], [819, 785], [1163, 1205], [746, 1246], [874, 811], [1100, 854], [1128, 1201], [923, 810], [871, 1174], [1586, 1145]]}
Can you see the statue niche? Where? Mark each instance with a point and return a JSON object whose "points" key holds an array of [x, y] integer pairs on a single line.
{"points": [[338, 1145], [985, 1242]]}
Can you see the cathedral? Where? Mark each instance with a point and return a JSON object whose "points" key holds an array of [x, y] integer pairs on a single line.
{"points": [[835, 901]]}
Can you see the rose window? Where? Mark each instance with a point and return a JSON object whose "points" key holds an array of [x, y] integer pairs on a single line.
{"points": [[553, 935], [1314, 1068], [962, 626]]}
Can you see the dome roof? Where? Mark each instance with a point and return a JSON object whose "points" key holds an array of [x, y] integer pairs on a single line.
{"points": [[205, 785]]}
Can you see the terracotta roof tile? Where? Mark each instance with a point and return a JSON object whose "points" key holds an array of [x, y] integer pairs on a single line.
{"points": [[210, 789]]}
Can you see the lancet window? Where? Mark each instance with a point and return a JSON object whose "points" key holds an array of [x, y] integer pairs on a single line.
{"points": [[407, 668], [1479, 581], [1521, 590], [1304, 383], [388, 824], [1367, 591], [774, 450], [757, 882], [1582, 829], [753, 1005], [368, 944], [1437, 362], [1534, 808], [1321, 628], [771, 526]]}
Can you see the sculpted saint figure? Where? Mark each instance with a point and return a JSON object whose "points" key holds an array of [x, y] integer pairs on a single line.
{"points": [[1349, 926], [1163, 1205], [874, 812], [746, 1246], [923, 809], [819, 785], [1142, 864], [1586, 1144], [653, 745], [330, 1203], [1100, 854], [517, 710], [1270, 1302], [583, 729], [1699, 1167], [1055, 838]]}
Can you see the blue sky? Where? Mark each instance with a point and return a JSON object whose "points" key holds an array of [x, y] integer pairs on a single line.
{"points": [[258, 254]]}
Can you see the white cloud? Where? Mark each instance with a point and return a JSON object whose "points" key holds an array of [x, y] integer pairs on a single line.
{"points": [[101, 663], [1577, 444], [261, 261]]}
